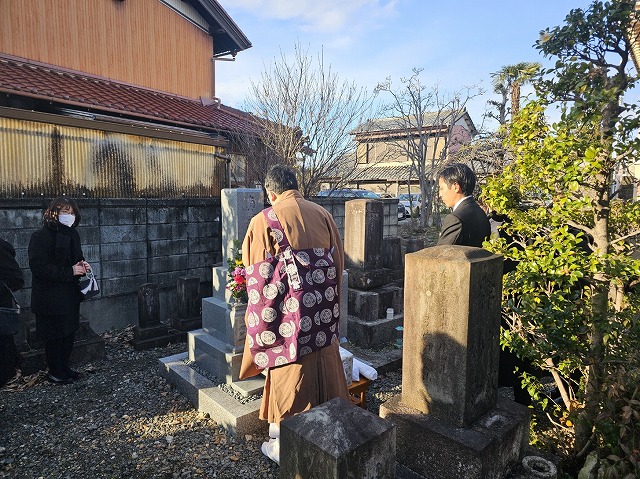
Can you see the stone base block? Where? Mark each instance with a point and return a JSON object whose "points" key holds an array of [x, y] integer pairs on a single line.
{"points": [[237, 418], [88, 347], [225, 321], [373, 334], [189, 324], [154, 337], [382, 360], [488, 449], [216, 357], [337, 440], [149, 332], [397, 275], [366, 280], [159, 342], [373, 304], [220, 277], [413, 244]]}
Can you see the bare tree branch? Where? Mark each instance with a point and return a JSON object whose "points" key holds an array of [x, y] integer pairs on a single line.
{"points": [[306, 114]]}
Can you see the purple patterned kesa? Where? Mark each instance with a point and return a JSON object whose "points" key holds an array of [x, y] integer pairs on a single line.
{"points": [[293, 304]]}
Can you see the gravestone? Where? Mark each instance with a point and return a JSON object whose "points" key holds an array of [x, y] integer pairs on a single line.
{"points": [[449, 419], [337, 440], [392, 257], [150, 332], [215, 351], [371, 291], [189, 315]]}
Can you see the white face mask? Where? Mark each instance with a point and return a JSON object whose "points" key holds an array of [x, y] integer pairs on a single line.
{"points": [[67, 219]]}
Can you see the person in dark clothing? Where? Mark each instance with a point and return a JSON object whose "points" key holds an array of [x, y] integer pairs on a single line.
{"points": [[10, 277], [57, 263], [467, 224]]}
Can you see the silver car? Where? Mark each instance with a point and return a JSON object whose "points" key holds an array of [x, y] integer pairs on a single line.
{"points": [[409, 206]]}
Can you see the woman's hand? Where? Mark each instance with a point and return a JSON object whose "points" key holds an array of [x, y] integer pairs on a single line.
{"points": [[79, 268]]}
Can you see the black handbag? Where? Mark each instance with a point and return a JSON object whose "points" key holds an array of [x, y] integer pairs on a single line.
{"points": [[10, 317], [89, 285]]}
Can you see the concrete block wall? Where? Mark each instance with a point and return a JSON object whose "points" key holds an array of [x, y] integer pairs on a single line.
{"points": [[128, 242]]}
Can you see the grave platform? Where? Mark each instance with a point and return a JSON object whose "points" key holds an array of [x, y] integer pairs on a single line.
{"points": [[486, 449], [237, 418]]}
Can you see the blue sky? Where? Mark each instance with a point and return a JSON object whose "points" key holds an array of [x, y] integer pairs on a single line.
{"points": [[457, 43]]}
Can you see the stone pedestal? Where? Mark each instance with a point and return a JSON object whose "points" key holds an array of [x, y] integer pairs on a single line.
{"points": [[433, 449], [218, 346], [337, 440]]}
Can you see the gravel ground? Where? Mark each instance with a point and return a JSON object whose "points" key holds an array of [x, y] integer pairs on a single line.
{"points": [[122, 420]]}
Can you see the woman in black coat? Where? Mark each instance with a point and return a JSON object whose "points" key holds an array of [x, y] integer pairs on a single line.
{"points": [[57, 263], [11, 276]]}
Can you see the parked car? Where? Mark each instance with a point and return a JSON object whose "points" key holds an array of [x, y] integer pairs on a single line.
{"points": [[403, 199], [348, 193]]}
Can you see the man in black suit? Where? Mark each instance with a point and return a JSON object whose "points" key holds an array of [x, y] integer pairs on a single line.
{"points": [[467, 225]]}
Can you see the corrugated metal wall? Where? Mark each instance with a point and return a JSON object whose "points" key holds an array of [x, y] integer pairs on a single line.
{"points": [[43, 159]]}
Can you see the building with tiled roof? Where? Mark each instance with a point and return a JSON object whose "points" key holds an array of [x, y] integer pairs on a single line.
{"points": [[382, 166], [143, 91]]}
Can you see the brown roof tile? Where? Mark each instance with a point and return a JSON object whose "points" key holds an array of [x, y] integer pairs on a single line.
{"points": [[30, 79]]}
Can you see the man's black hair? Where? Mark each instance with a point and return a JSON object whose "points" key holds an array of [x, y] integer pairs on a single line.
{"points": [[280, 178], [461, 174]]}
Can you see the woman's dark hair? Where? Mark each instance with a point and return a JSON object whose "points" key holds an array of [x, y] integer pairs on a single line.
{"points": [[52, 213], [280, 178], [461, 174]]}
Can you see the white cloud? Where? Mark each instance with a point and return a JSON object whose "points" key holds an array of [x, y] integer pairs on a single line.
{"points": [[326, 16]]}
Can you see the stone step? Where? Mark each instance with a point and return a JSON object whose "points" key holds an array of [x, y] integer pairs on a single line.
{"points": [[237, 418], [214, 356]]}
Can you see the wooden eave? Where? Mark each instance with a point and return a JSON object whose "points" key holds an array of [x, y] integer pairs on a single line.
{"points": [[398, 134], [227, 36]]}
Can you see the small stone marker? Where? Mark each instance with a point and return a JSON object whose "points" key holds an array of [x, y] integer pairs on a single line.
{"points": [[189, 304], [337, 440], [148, 305], [150, 332]]}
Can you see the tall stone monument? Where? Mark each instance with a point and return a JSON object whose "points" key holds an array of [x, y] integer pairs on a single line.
{"points": [[215, 351], [371, 288], [449, 420]]}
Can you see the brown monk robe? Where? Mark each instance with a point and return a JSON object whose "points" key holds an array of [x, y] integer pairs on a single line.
{"points": [[319, 376]]}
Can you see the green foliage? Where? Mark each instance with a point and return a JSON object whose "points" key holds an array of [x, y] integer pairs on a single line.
{"points": [[571, 305], [619, 423]]}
